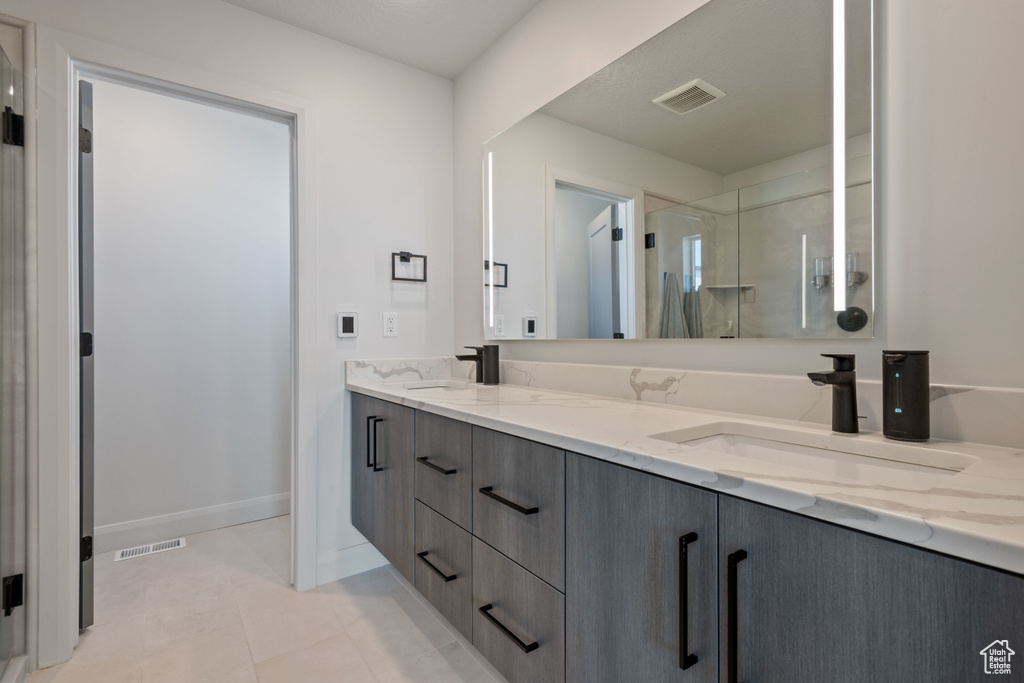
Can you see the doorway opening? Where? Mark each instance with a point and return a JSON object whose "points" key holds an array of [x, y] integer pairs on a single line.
{"points": [[186, 265]]}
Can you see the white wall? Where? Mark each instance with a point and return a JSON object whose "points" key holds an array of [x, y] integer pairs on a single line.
{"points": [[947, 268], [375, 176], [192, 288]]}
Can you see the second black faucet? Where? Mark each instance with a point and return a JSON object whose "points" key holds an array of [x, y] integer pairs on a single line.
{"points": [[486, 359], [843, 379]]}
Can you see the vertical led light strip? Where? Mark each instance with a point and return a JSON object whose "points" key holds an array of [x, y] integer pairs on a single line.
{"points": [[490, 237], [839, 153], [803, 282]]}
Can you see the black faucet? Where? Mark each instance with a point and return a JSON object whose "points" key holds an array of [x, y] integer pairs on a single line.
{"points": [[486, 359], [844, 391]]}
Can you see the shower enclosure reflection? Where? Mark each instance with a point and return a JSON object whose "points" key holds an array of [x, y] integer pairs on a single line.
{"points": [[746, 263]]}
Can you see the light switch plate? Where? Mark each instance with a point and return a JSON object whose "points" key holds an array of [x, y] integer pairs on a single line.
{"points": [[529, 326], [348, 324]]}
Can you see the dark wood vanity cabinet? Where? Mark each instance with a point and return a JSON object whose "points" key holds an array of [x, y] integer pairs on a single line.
{"points": [[559, 566], [382, 478], [641, 576], [810, 601]]}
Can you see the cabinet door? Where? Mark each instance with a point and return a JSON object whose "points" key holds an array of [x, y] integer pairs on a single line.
{"points": [[817, 602], [625, 566], [393, 487], [363, 412], [793, 600]]}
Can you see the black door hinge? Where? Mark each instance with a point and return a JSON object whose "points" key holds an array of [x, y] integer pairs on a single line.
{"points": [[14, 593], [84, 140], [86, 549], [14, 128], [616, 234], [649, 240], [85, 344]]}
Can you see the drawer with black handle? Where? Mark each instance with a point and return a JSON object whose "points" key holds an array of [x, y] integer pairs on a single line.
{"points": [[519, 501], [444, 466], [518, 619], [444, 567]]}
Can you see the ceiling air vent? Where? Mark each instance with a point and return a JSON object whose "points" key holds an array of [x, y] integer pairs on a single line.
{"points": [[693, 95]]}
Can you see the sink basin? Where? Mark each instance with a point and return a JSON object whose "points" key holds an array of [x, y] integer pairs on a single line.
{"points": [[863, 458], [445, 384]]}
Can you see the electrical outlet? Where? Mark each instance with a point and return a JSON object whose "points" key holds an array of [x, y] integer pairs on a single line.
{"points": [[390, 324], [499, 326]]}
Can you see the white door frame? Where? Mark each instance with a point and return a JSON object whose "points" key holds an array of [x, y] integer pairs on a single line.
{"points": [[634, 245], [53, 539]]}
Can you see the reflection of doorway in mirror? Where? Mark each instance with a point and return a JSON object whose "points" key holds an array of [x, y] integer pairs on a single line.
{"points": [[592, 231]]}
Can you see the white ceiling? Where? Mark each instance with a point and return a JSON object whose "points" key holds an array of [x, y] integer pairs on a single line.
{"points": [[772, 59], [441, 37]]}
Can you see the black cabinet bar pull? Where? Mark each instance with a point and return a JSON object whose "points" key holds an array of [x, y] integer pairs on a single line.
{"points": [[734, 559], [376, 421], [686, 659], [525, 647], [447, 578], [434, 467], [369, 421], [489, 492]]}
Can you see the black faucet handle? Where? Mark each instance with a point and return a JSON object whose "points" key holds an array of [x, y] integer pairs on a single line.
{"points": [[842, 362]]}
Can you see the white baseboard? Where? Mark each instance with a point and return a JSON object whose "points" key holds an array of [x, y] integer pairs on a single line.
{"points": [[337, 564], [163, 527], [16, 670]]}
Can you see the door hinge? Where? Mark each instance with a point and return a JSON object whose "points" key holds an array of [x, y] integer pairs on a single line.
{"points": [[84, 140], [85, 344], [86, 549], [616, 234], [14, 128], [14, 593], [649, 240]]}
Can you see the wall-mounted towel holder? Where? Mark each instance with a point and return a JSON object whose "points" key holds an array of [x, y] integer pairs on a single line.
{"points": [[407, 257], [500, 274]]}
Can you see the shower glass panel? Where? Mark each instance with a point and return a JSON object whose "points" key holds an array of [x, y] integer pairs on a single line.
{"points": [[691, 279], [757, 261], [785, 233]]}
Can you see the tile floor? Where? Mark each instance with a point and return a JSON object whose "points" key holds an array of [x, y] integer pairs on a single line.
{"points": [[221, 610]]}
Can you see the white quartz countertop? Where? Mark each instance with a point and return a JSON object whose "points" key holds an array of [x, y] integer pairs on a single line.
{"points": [[975, 514]]}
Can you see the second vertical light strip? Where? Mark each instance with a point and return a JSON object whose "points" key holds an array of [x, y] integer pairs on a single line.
{"points": [[839, 151]]}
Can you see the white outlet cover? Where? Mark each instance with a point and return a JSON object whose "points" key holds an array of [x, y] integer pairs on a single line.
{"points": [[499, 326], [390, 324]]}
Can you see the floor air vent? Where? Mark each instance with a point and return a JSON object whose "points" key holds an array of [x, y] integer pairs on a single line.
{"points": [[141, 550]]}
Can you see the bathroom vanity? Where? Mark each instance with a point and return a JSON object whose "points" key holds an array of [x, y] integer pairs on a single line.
{"points": [[580, 538]]}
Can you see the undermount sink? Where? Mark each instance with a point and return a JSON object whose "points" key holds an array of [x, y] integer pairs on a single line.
{"points": [[832, 454], [444, 384]]}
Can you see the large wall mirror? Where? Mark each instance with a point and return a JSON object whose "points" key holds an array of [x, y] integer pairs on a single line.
{"points": [[689, 189]]}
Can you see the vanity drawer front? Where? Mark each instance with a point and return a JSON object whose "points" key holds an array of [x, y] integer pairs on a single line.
{"points": [[525, 613], [444, 466], [443, 551], [521, 510]]}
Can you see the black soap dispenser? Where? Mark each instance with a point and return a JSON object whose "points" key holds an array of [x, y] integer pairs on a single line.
{"points": [[906, 404]]}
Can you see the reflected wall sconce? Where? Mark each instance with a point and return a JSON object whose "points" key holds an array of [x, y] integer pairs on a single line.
{"points": [[854, 275], [822, 273], [500, 274], [399, 257]]}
